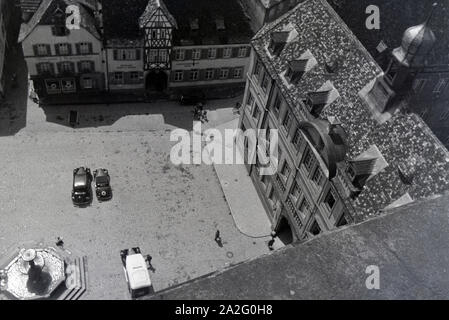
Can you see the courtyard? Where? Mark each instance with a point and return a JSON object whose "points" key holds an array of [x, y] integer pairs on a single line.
{"points": [[170, 212]]}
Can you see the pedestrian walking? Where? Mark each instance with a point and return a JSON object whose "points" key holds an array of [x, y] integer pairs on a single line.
{"points": [[217, 236]]}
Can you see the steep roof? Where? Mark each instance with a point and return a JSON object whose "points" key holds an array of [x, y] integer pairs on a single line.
{"points": [[151, 8], [400, 140], [44, 13], [410, 245]]}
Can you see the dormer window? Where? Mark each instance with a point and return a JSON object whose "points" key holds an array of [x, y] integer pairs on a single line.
{"points": [[365, 166], [295, 70], [220, 24], [194, 24], [316, 101], [278, 42]]}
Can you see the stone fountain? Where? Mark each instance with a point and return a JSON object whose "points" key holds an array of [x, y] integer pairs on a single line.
{"points": [[34, 273]]}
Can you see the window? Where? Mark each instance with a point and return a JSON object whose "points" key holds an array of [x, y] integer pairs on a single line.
{"points": [[330, 200], [441, 85], [224, 73], [63, 49], [265, 82], [66, 67], [194, 75], [87, 83], [86, 66], [256, 112], [250, 99], [238, 72], [162, 55], [196, 54], [227, 52], [308, 160], [212, 53], [285, 172], [243, 51], [257, 68], [45, 67], [209, 74], [297, 139], [287, 123], [296, 192], [179, 54], [134, 76], [153, 55], [126, 54], [179, 75], [277, 104], [118, 77], [42, 50], [53, 86], [85, 48], [304, 207], [318, 177]]}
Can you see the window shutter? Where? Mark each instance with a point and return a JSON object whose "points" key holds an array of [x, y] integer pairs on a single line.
{"points": [[35, 50], [59, 67], [48, 50], [39, 68], [248, 51], [204, 53], [92, 66], [188, 54], [52, 68], [78, 48], [115, 54], [219, 53], [79, 65], [57, 49], [91, 50], [217, 73], [235, 52], [137, 54], [69, 45]]}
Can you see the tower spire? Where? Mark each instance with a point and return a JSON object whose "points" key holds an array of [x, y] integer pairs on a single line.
{"points": [[432, 11]]}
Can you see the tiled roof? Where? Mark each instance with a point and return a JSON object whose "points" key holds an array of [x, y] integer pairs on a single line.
{"points": [[396, 16], [321, 31], [44, 10], [121, 22]]}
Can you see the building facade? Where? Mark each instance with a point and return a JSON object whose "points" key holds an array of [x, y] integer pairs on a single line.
{"points": [[7, 12], [343, 156], [169, 47], [62, 61]]}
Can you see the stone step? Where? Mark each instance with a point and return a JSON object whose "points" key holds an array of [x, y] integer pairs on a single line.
{"points": [[77, 279], [83, 278]]}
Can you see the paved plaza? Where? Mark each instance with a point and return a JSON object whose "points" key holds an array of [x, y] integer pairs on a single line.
{"points": [[171, 212]]}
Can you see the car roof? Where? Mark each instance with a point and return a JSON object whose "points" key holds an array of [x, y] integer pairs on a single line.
{"points": [[137, 271]]}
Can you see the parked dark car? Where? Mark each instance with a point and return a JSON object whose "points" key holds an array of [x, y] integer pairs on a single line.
{"points": [[193, 98], [103, 188], [82, 186]]}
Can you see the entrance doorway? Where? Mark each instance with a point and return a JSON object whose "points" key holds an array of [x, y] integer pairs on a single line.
{"points": [[156, 81], [284, 231]]}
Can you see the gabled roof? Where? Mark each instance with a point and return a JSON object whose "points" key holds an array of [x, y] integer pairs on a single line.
{"points": [[44, 12], [152, 7]]}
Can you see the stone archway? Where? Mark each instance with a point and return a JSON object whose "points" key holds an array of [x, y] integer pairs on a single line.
{"points": [[156, 81]]}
